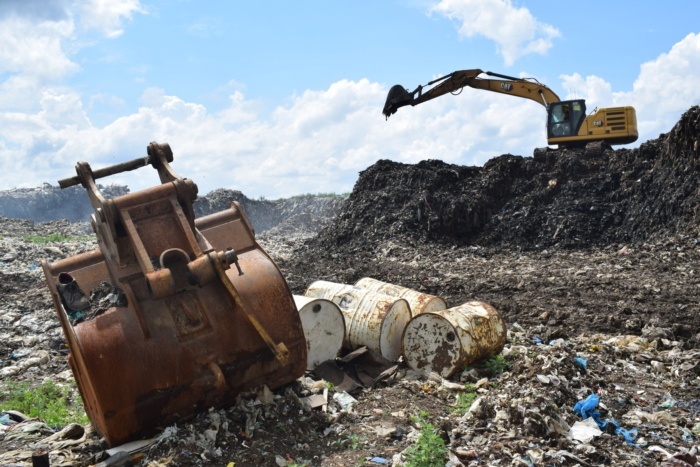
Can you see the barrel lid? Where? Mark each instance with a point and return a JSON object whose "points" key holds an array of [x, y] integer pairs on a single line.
{"points": [[324, 329], [432, 344]]}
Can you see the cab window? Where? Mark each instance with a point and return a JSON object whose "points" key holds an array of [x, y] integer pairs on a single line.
{"points": [[560, 120], [565, 118]]}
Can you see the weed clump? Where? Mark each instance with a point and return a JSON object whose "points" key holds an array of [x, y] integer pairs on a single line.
{"points": [[429, 450], [56, 405]]}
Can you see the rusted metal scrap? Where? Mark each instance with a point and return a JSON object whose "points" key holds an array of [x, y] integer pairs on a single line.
{"points": [[207, 313]]}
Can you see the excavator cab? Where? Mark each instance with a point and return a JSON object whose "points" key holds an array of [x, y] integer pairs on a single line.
{"points": [[565, 118], [569, 126]]}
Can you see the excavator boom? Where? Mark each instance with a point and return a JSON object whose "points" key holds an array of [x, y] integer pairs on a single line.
{"points": [[519, 87]]}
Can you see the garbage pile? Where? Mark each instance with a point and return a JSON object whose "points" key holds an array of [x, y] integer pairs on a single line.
{"points": [[50, 203], [304, 214], [301, 214], [566, 198], [517, 407]]}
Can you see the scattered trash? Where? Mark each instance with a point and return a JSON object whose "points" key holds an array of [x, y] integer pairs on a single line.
{"points": [[523, 414], [586, 409], [360, 368], [344, 399], [131, 447], [585, 430], [314, 400], [74, 300], [379, 460], [582, 363]]}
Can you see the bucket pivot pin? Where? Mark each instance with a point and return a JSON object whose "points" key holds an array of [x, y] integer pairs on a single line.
{"points": [[232, 258]]}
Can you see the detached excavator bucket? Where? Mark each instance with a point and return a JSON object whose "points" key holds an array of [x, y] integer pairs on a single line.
{"points": [[171, 315]]}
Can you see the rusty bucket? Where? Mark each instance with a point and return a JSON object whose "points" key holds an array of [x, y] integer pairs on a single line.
{"points": [[201, 311], [418, 301], [324, 329], [371, 319], [448, 340]]}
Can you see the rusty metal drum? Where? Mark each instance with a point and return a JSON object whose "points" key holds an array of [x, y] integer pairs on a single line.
{"points": [[418, 301], [371, 319], [449, 340], [324, 329]]}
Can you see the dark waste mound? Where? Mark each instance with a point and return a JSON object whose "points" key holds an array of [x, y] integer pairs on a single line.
{"points": [[48, 202], [568, 198]]}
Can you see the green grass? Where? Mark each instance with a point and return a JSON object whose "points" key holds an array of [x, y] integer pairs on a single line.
{"points": [[352, 441], [429, 450], [53, 238], [56, 405], [496, 365], [464, 400]]}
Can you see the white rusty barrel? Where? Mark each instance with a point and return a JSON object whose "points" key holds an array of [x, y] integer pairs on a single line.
{"points": [[418, 301], [448, 340], [371, 319], [324, 329]]}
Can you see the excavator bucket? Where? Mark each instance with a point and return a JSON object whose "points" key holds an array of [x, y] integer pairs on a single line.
{"points": [[398, 97], [171, 315]]}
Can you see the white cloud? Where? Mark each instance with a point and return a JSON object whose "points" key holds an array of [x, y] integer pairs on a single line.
{"points": [[664, 89], [596, 90], [318, 142], [18, 93], [62, 109], [108, 15], [41, 10], [40, 117], [37, 41], [35, 48], [205, 28], [515, 31]]}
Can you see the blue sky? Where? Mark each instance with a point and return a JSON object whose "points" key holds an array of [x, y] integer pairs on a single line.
{"points": [[281, 98]]}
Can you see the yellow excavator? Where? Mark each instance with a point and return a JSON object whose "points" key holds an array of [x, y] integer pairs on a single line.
{"points": [[567, 122]]}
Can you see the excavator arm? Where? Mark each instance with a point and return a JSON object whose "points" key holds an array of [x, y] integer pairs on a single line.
{"points": [[521, 87]]}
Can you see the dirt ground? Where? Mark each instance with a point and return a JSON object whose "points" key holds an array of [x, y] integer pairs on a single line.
{"points": [[589, 257]]}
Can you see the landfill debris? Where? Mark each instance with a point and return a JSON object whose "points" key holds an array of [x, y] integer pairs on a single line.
{"points": [[585, 430], [344, 399], [587, 408], [360, 368], [620, 258]]}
